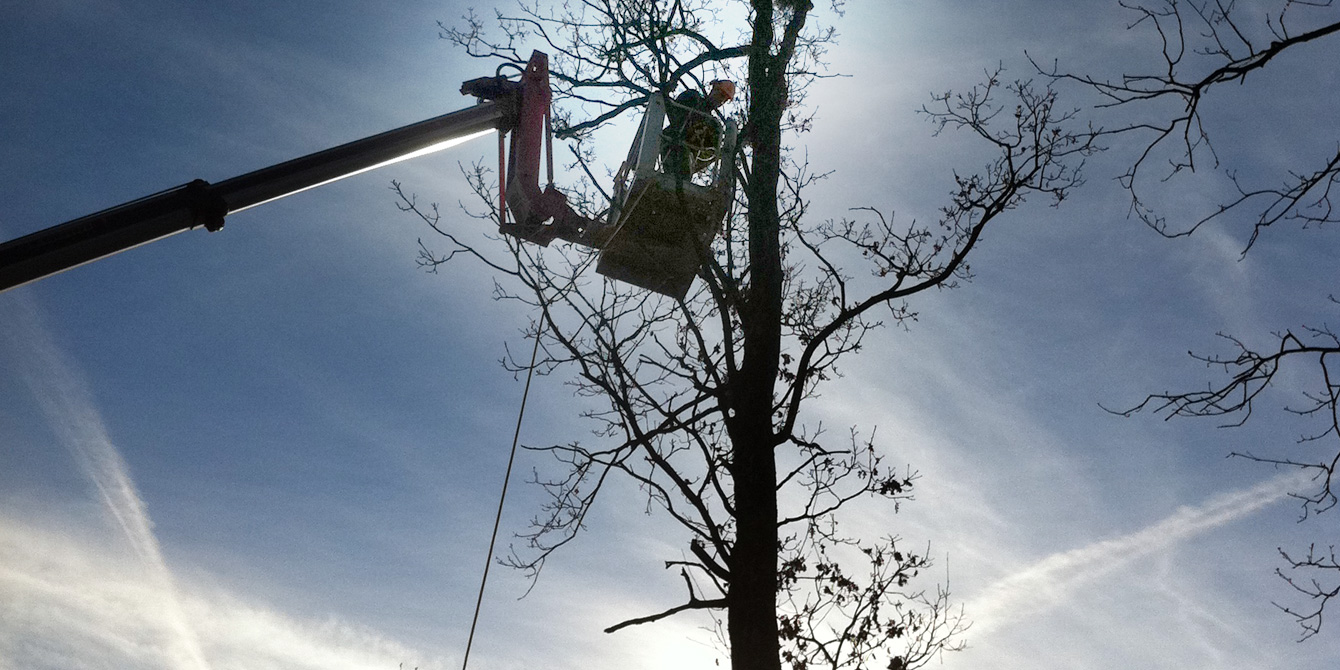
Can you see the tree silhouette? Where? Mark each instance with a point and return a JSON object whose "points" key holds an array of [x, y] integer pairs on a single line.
{"points": [[1206, 45], [702, 400]]}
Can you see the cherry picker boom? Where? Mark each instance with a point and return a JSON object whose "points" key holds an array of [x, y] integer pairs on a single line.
{"points": [[658, 244]]}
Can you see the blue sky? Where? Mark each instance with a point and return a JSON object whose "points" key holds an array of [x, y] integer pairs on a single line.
{"points": [[279, 445]]}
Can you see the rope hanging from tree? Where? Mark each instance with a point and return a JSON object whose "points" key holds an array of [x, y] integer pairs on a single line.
{"points": [[497, 521]]}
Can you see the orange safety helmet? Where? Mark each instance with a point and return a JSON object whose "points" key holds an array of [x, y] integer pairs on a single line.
{"points": [[722, 90]]}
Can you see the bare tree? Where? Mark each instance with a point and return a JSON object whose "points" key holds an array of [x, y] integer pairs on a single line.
{"points": [[1206, 44], [701, 400]]}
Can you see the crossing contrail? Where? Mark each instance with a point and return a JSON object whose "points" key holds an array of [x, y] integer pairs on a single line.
{"points": [[1050, 581], [62, 393]]}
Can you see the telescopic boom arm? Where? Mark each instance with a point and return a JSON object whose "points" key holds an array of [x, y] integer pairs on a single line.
{"points": [[504, 105]]}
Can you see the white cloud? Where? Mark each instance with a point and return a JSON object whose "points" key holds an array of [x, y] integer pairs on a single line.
{"points": [[1050, 582], [64, 397], [70, 600]]}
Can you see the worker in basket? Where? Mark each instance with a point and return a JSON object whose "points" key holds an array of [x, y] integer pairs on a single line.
{"points": [[689, 141]]}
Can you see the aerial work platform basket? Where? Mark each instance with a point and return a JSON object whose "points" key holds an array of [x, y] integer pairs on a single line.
{"points": [[670, 195], [662, 221]]}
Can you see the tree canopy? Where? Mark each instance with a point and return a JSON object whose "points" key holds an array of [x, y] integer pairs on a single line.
{"points": [[701, 400]]}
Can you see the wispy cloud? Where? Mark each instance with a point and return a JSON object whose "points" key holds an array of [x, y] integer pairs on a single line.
{"points": [[69, 600], [1050, 582], [64, 397]]}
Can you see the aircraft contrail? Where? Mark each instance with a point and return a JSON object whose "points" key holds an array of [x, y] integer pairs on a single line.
{"points": [[1049, 581], [61, 391]]}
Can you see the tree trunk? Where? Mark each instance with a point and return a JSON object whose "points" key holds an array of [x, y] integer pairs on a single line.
{"points": [[752, 610], [751, 615]]}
